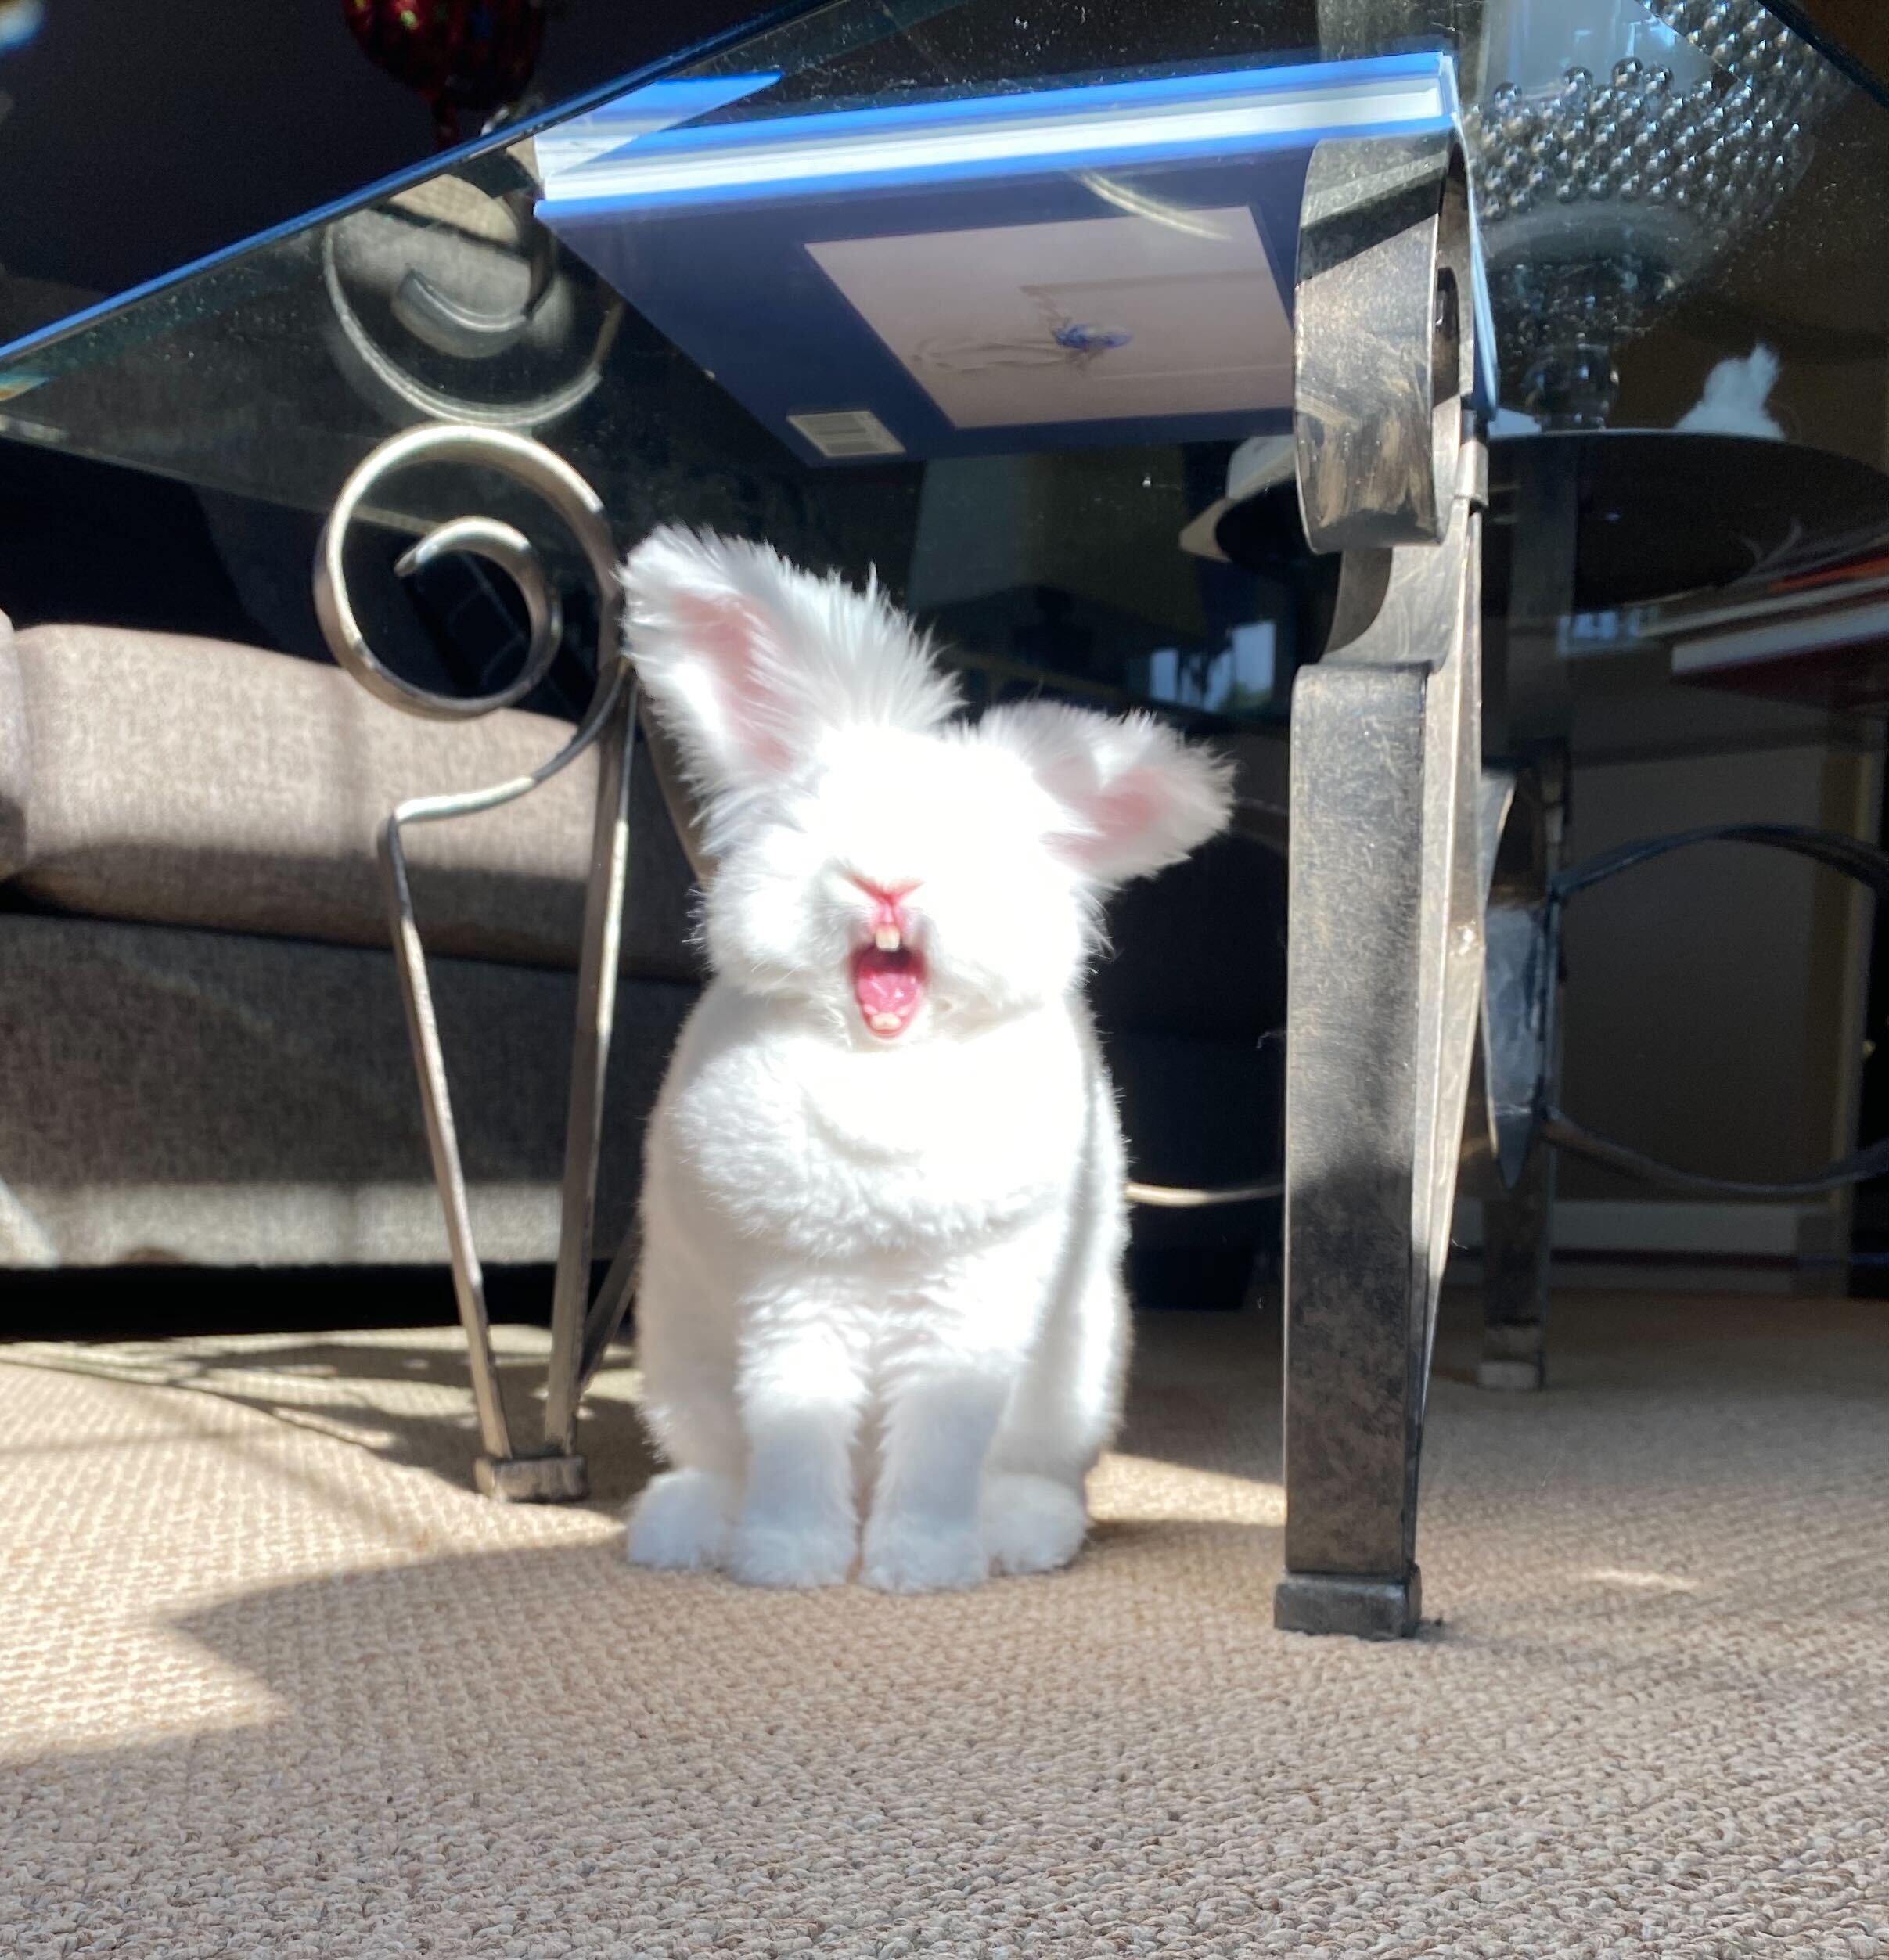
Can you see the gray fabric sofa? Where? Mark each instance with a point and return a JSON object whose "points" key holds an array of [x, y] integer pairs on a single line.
{"points": [[202, 1058]]}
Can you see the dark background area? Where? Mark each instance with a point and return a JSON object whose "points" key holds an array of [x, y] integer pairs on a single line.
{"points": [[139, 138], [1854, 32]]}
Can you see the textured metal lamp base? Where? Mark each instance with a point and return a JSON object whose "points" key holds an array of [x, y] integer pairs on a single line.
{"points": [[1330, 1603], [532, 1479]]}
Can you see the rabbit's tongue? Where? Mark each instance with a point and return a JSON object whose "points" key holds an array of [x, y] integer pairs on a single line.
{"points": [[890, 987]]}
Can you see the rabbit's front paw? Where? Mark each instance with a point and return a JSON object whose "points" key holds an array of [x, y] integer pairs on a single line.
{"points": [[680, 1521], [1031, 1523], [773, 1555], [906, 1554]]}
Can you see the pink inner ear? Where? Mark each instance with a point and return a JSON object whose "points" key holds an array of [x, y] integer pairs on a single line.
{"points": [[1118, 815], [728, 633]]}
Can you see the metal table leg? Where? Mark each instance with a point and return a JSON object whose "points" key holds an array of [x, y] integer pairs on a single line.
{"points": [[1519, 1059], [1530, 709], [1517, 1249], [1387, 882], [581, 1327]]}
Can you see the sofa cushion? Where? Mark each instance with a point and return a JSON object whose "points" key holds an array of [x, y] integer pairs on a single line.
{"points": [[195, 782], [223, 1098]]}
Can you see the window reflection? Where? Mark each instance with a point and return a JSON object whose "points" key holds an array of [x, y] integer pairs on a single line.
{"points": [[1237, 679]]}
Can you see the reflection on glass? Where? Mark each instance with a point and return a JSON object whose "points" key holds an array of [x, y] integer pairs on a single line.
{"points": [[1619, 147], [1236, 680]]}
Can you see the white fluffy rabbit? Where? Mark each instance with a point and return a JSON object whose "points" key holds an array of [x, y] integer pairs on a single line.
{"points": [[881, 1315]]}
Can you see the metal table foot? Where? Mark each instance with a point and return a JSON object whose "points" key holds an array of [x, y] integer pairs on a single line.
{"points": [[1333, 1603], [1514, 1374], [532, 1479]]}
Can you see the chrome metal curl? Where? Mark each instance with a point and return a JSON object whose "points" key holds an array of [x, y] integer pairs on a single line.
{"points": [[1174, 1197], [511, 551], [580, 1327], [446, 326], [525, 462]]}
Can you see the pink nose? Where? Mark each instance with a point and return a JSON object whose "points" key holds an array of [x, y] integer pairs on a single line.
{"points": [[887, 899]]}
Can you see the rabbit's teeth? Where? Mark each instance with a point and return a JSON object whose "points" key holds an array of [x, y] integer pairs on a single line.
{"points": [[887, 939], [886, 1024]]}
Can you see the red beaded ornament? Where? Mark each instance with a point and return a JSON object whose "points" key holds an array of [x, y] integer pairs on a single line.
{"points": [[462, 56]]}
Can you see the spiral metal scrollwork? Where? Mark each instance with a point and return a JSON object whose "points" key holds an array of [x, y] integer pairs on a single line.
{"points": [[525, 462]]}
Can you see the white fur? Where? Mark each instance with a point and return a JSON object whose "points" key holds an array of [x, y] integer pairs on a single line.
{"points": [[880, 1315], [1733, 402]]}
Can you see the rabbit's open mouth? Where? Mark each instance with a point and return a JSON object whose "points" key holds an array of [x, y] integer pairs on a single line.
{"points": [[889, 984]]}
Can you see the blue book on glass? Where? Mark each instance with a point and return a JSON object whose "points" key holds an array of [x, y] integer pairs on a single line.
{"points": [[1110, 262]]}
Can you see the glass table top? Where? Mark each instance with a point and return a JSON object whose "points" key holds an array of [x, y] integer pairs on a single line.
{"points": [[1661, 186]]}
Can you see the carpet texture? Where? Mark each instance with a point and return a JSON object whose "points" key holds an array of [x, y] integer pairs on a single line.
{"points": [[274, 1683]]}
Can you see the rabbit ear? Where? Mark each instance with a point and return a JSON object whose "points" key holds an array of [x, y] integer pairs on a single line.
{"points": [[749, 662], [1137, 796]]}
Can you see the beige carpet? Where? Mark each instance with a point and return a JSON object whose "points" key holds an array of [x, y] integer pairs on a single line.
{"points": [[273, 1683]]}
